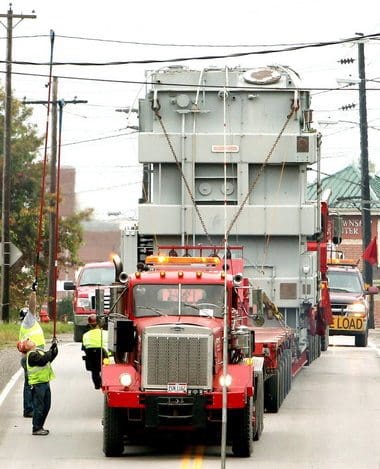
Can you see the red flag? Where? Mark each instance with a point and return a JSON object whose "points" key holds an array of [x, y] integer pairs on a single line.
{"points": [[370, 253]]}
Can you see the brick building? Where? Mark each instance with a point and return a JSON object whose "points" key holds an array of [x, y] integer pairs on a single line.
{"points": [[345, 200], [100, 239]]}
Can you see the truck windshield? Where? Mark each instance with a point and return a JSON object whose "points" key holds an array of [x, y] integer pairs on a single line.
{"points": [[345, 281], [97, 276], [179, 300]]}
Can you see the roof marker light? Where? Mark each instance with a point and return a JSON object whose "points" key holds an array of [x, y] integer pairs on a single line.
{"points": [[181, 260]]}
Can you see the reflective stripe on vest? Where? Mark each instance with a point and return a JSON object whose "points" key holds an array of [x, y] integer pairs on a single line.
{"points": [[34, 333], [39, 374], [93, 338]]}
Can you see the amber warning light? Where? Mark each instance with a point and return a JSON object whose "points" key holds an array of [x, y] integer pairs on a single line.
{"points": [[181, 260]]}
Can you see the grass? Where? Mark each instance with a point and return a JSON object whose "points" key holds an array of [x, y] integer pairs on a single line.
{"points": [[9, 332]]}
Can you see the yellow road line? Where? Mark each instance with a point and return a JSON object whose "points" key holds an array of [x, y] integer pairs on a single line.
{"points": [[193, 459]]}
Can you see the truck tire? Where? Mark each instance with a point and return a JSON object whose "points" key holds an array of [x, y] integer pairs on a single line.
{"points": [[325, 340], [78, 333], [288, 370], [311, 352], [242, 431], [319, 346], [282, 379], [113, 444], [258, 400], [361, 340], [272, 393]]}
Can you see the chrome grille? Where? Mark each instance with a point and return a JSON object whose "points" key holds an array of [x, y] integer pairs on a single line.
{"points": [[339, 309], [177, 354]]}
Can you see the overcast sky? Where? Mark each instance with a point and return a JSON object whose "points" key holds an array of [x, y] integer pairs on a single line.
{"points": [[96, 139]]}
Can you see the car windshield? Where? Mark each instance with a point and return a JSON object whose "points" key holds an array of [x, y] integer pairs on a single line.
{"points": [[348, 282], [97, 276], [179, 300]]}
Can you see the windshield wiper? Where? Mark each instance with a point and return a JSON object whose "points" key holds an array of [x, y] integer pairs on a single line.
{"points": [[151, 308], [204, 307], [192, 305]]}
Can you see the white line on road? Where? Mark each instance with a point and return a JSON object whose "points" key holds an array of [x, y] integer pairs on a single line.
{"points": [[10, 385]]}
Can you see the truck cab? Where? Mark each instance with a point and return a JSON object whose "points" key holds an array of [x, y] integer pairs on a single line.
{"points": [[349, 300], [92, 276]]}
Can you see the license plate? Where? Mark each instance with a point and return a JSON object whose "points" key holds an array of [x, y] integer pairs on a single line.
{"points": [[347, 323], [177, 387]]}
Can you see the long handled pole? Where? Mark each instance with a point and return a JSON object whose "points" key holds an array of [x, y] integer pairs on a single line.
{"points": [[43, 182]]}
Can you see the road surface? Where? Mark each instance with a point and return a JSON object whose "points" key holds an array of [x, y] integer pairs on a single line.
{"points": [[330, 420]]}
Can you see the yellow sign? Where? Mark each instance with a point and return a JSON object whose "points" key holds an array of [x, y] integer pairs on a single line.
{"points": [[348, 323]]}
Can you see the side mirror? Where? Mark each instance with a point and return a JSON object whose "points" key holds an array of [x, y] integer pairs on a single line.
{"points": [[68, 285]]}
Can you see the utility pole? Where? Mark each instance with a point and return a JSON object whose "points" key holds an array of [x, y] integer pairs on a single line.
{"points": [[6, 189], [54, 191], [365, 191]]}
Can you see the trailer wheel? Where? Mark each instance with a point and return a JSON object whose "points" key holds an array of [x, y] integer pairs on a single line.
{"points": [[258, 399], [319, 347], [282, 380], [272, 393], [361, 340], [310, 353], [242, 437], [288, 371], [78, 333], [112, 431], [325, 340]]}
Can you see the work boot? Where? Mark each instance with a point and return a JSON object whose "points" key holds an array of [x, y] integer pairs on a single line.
{"points": [[41, 431]]}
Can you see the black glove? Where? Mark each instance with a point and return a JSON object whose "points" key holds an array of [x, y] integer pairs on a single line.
{"points": [[54, 348]]}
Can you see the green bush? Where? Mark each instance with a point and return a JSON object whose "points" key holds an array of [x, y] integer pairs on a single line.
{"points": [[65, 309], [9, 332]]}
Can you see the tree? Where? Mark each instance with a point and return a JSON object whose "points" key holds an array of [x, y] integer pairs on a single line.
{"points": [[26, 177]]}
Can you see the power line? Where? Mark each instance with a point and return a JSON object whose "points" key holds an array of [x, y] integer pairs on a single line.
{"points": [[203, 57], [145, 82], [163, 44]]}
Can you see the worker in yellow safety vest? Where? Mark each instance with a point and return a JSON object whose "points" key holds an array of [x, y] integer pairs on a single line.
{"points": [[29, 329], [94, 344], [40, 373]]}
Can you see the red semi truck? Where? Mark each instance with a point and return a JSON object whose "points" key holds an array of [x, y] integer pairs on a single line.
{"points": [[169, 326], [166, 330]]}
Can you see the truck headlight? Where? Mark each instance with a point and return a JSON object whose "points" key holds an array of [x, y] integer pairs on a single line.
{"points": [[225, 380], [125, 379], [356, 308]]}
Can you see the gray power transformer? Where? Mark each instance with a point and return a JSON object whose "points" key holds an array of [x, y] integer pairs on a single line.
{"points": [[225, 154]]}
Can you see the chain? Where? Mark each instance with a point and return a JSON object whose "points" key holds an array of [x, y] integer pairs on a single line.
{"points": [[254, 182], [159, 117]]}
